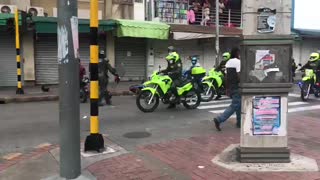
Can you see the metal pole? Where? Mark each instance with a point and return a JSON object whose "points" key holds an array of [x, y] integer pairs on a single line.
{"points": [[94, 142], [18, 57], [69, 104], [217, 32]]}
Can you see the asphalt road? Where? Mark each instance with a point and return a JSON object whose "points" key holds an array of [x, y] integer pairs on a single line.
{"points": [[24, 126]]}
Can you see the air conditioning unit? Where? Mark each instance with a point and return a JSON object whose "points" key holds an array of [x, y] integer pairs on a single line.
{"points": [[35, 11], [7, 9]]}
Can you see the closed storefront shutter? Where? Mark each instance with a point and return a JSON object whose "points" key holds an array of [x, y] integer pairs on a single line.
{"points": [[46, 60], [131, 57], [46, 57], [8, 67]]}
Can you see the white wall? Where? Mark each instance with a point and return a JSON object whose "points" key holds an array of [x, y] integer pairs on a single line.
{"points": [[303, 49], [205, 48], [139, 11]]}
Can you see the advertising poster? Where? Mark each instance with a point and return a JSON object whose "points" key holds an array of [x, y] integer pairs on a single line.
{"points": [[265, 64], [266, 115]]}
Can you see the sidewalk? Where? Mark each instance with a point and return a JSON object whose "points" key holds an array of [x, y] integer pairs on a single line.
{"points": [[33, 94], [180, 159]]}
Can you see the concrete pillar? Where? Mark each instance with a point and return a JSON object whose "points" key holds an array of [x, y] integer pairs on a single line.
{"points": [[28, 55], [265, 140], [110, 48], [107, 9]]}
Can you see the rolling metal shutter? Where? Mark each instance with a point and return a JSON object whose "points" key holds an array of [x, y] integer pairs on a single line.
{"points": [[8, 67], [46, 57], [131, 57], [46, 60]]}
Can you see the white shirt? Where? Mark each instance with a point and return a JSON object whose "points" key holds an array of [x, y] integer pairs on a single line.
{"points": [[234, 63]]}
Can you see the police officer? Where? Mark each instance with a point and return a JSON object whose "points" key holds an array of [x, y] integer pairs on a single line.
{"points": [[104, 68], [222, 66], [313, 63], [174, 70]]}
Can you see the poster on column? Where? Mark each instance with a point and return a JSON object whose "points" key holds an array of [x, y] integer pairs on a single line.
{"points": [[266, 115]]}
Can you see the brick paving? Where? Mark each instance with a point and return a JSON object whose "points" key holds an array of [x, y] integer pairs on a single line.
{"points": [[125, 167], [192, 157]]}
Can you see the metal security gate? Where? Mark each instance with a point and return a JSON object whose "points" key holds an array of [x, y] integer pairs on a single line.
{"points": [[46, 57], [46, 60], [131, 57], [8, 67], [84, 45]]}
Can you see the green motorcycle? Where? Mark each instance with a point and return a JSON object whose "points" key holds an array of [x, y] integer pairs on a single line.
{"points": [[212, 84], [159, 87], [309, 85]]}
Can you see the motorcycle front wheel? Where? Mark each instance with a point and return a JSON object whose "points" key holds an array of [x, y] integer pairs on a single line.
{"points": [[305, 91], [192, 100], [208, 93], [147, 102]]}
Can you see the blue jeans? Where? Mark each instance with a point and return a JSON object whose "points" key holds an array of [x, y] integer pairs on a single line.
{"points": [[235, 106]]}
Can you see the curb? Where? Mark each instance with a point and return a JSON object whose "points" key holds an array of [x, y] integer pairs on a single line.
{"points": [[39, 98]]}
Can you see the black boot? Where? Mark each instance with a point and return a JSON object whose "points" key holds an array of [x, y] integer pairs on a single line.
{"points": [[171, 106]]}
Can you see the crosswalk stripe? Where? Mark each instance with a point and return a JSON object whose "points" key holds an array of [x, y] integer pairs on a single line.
{"points": [[226, 105], [217, 101], [291, 110], [294, 95], [306, 108]]}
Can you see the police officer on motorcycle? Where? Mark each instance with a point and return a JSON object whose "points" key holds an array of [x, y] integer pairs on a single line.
{"points": [[313, 63], [174, 70], [104, 67], [222, 66]]}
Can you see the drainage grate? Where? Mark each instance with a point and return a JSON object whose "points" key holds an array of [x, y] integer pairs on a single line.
{"points": [[137, 135]]}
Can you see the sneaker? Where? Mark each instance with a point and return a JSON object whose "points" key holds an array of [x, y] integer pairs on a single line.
{"points": [[217, 124]]}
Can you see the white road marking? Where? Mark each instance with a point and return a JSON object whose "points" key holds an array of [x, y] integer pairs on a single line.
{"points": [[306, 108], [294, 95], [226, 105]]}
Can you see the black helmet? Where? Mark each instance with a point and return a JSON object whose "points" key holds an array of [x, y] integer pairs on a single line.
{"points": [[171, 49], [102, 54]]}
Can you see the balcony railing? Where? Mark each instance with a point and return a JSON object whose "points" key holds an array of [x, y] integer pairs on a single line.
{"points": [[175, 12]]}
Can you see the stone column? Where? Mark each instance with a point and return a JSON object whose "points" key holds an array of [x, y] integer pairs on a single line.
{"points": [[265, 78]]}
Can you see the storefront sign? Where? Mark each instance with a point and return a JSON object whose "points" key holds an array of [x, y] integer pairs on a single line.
{"points": [[266, 20], [266, 115]]}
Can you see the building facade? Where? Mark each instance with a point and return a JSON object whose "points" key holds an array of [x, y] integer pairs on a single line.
{"points": [[138, 57]]}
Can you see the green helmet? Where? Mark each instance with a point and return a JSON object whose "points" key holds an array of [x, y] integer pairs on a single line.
{"points": [[314, 56], [226, 56]]}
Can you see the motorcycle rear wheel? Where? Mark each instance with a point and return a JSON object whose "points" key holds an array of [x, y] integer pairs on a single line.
{"points": [[83, 96]]}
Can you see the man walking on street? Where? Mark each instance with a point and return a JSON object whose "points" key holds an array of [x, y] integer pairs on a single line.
{"points": [[233, 78], [104, 68]]}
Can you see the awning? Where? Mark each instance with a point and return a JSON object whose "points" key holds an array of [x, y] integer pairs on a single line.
{"points": [[5, 17], [142, 29], [49, 25]]}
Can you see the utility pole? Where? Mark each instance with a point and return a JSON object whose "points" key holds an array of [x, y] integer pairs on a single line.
{"points": [[94, 142], [18, 56], [69, 103], [217, 33]]}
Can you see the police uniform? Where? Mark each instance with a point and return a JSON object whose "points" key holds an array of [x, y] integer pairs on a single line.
{"points": [[104, 68], [174, 70]]}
